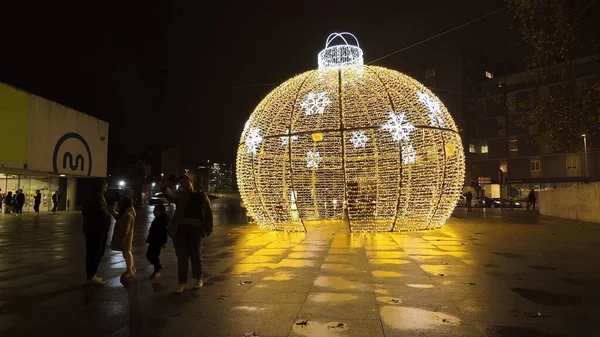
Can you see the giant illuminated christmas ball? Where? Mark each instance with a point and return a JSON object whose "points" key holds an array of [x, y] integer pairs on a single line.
{"points": [[362, 146]]}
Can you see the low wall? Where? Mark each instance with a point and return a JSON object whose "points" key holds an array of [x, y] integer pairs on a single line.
{"points": [[578, 202]]}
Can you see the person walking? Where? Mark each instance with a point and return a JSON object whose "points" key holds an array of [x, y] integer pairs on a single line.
{"points": [[56, 200], [96, 224], [37, 200], [157, 238], [469, 200], [122, 239], [192, 221], [19, 202], [531, 199], [1, 200], [8, 202]]}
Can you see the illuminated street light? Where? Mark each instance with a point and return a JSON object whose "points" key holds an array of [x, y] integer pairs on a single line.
{"points": [[121, 183], [153, 185]]}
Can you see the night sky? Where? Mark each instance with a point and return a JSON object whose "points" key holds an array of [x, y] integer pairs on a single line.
{"points": [[185, 72]]}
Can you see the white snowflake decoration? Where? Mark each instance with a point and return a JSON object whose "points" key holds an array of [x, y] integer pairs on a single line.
{"points": [[398, 127], [409, 155], [359, 139], [313, 159], [315, 103], [284, 139], [434, 108], [253, 140]]}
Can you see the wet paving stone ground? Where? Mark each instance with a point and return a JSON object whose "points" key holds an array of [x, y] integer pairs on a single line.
{"points": [[494, 273]]}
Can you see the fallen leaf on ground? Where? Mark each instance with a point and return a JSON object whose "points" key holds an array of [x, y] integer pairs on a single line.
{"points": [[176, 315], [469, 283], [251, 334], [338, 326], [302, 323], [395, 300], [221, 297], [245, 282], [441, 274]]}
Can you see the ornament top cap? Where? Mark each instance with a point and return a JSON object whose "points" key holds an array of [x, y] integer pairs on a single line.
{"points": [[340, 55]]}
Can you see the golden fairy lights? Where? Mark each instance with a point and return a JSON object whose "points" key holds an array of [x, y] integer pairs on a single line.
{"points": [[348, 142]]}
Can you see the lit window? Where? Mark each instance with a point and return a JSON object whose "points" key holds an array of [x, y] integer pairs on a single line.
{"points": [[504, 168], [472, 148], [572, 162], [484, 148], [513, 145], [489, 74], [430, 73], [535, 165]]}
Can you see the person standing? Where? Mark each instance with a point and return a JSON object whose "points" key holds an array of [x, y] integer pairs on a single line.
{"points": [[531, 199], [192, 221], [122, 239], [157, 238], [56, 200], [469, 201], [37, 200], [19, 202], [96, 224], [8, 202], [1, 200]]}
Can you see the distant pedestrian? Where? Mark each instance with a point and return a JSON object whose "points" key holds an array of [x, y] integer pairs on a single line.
{"points": [[55, 201], [122, 239], [1, 200], [469, 200], [8, 202], [37, 200], [19, 202], [157, 238], [96, 224], [192, 222], [531, 200]]}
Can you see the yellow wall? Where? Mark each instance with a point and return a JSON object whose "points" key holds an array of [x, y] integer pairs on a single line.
{"points": [[14, 108]]}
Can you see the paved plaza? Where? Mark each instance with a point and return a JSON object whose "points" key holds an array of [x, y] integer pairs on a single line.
{"points": [[487, 273]]}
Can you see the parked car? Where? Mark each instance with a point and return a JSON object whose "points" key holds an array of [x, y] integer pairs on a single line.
{"points": [[158, 199]]}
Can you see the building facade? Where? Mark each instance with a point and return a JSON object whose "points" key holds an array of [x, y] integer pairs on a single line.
{"points": [[47, 146], [507, 153]]}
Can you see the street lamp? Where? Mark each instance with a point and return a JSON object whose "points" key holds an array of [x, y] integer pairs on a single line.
{"points": [[586, 156], [121, 183], [153, 185]]}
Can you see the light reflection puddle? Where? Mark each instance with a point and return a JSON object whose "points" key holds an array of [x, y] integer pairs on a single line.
{"points": [[421, 286], [334, 282], [406, 318], [331, 297], [247, 308], [280, 276], [384, 273]]}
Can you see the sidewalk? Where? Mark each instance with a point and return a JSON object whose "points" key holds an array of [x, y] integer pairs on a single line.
{"points": [[527, 277]]}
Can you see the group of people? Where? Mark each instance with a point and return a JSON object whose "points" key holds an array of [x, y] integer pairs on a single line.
{"points": [[14, 203], [190, 224]]}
